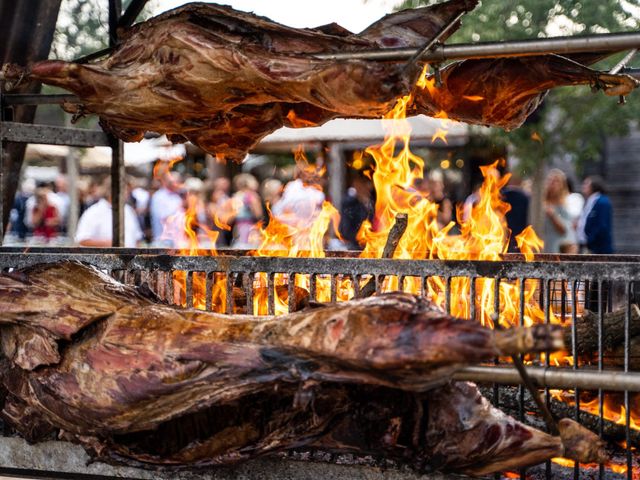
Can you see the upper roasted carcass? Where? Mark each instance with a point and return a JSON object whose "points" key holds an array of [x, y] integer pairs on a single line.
{"points": [[142, 383], [224, 79]]}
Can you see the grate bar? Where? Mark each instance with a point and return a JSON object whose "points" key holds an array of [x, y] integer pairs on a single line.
{"points": [[569, 270]]}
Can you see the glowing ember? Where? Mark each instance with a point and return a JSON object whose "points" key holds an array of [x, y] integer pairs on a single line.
{"points": [[614, 467]]}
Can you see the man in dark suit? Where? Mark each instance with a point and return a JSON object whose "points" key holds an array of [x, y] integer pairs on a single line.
{"points": [[595, 228], [595, 232]]}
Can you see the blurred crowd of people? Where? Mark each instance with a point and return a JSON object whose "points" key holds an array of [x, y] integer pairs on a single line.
{"points": [[40, 210], [573, 222], [230, 212], [157, 210]]}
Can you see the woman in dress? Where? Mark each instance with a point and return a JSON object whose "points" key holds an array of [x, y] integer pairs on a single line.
{"points": [[559, 236]]}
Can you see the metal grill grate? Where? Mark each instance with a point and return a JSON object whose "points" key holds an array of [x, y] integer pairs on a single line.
{"points": [[564, 288]]}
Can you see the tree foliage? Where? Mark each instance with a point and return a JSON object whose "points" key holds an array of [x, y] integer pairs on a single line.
{"points": [[573, 121], [83, 27]]}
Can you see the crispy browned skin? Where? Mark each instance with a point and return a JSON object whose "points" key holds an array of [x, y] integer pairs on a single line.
{"points": [[503, 92], [142, 383], [224, 79]]}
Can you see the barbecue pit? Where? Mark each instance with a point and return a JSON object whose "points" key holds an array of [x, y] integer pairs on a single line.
{"points": [[609, 387], [566, 285]]}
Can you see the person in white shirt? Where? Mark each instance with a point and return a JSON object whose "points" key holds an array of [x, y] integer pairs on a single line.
{"points": [[63, 200], [165, 203], [95, 225], [301, 200]]}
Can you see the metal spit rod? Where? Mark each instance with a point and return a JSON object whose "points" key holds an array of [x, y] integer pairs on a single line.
{"points": [[554, 377], [559, 45]]}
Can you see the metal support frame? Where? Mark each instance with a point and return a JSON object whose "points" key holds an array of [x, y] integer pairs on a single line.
{"points": [[52, 135], [1, 169], [117, 148], [39, 99], [56, 135], [131, 13]]}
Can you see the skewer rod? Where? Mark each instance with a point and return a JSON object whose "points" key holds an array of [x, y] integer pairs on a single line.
{"points": [[562, 378], [539, 46]]}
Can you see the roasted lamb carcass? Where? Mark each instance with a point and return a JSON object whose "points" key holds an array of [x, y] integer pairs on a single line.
{"points": [[209, 74], [138, 382], [503, 92], [224, 79]]}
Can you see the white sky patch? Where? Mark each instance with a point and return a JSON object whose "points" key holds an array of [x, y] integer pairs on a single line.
{"points": [[354, 15]]}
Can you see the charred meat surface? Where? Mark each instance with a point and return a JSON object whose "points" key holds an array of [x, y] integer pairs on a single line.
{"points": [[224, 79], [143, 383], [503, 92], [208, 74]]}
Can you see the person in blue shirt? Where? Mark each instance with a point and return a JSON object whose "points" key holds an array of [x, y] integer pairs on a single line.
{"points": [[595, 226]]}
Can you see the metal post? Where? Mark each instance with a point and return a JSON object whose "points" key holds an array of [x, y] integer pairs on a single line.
{"points": [[337, 174], [117, 191], [117, 148], [1, 171], [74, 200], [133, 10]]}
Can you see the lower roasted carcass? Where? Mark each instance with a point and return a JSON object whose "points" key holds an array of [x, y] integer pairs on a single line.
{"points": [[142, 383], [224, 79]]}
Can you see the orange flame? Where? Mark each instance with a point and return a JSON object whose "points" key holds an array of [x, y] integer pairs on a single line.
{"points": [[298, 122], [529, 243], [473, 98]]}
